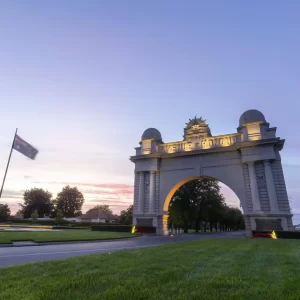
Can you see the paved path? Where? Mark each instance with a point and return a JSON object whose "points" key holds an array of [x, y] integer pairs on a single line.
{"points": [[20, 255]]}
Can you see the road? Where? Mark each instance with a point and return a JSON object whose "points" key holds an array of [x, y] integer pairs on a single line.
{"points": [[19, 255]]}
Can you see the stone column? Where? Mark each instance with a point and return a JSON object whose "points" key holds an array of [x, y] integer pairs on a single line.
{"points": [[141, 193], [152, 191], [254, 188], [271, 187]]}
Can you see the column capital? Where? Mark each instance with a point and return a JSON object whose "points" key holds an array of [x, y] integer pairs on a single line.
{"points": [[250, 163], [267, 162], [141, 173], [153, 171]]}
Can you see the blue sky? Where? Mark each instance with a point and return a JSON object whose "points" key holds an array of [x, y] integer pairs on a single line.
{"points": [[83, 79]]}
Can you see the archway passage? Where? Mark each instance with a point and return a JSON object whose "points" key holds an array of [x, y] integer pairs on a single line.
{"points": [[247, 161], [199, 205]]}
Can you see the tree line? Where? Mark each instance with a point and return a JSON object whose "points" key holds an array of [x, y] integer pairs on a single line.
{"points": [[39, 203], [199, 205]]}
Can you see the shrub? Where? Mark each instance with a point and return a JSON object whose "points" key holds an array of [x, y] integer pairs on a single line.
{"points": [[115, 228], [59, 217], [34, 216]]}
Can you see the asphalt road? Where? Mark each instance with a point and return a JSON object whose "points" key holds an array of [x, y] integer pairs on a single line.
{"points": [[21, 255]]}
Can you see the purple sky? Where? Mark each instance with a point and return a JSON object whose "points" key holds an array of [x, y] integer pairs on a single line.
{"points": [[83, 79]]}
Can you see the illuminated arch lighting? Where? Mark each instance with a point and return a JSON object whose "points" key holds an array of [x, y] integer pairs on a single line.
{"points": [[184, 181]]}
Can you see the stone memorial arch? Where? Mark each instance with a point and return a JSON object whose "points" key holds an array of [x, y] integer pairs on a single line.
{"points": [[247, 161]]}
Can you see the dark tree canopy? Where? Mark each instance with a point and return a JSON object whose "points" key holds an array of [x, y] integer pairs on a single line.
{"points": [[200, 201], [39, 200], [69, 201], [125, 217], [4, 212]]}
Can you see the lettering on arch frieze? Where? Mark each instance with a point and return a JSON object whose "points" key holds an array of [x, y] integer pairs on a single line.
{"points": [[196, 143]]}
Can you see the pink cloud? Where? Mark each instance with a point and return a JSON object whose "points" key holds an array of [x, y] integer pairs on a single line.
{"points": [[125, 192], [92, 185]]}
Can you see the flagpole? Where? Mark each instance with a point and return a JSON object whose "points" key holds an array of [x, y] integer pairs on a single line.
{"points": [[12, 146]]}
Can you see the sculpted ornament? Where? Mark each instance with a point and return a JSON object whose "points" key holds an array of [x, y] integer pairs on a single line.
{"points": [[195, 122], [196, 127]]}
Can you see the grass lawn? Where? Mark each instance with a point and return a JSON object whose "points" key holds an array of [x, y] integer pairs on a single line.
{"points": [[207, 269], [7, 237]]}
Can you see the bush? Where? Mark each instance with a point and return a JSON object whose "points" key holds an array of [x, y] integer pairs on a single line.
{"points": [[279, 234], [115, 228], [59, 217]]}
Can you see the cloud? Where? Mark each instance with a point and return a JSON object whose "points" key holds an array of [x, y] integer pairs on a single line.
{"points": [[117, 195], [104, 189], [111, 201], [92, 185], [124, 192], [13, 194]]}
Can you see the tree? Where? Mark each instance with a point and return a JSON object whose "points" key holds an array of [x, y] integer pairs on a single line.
{"points": [[19, 214], [101, 207], [125, 217], [200, 203], [37, 199], [69, 201], [34, 216], [4, 212], [193, 201], [59, 217]]}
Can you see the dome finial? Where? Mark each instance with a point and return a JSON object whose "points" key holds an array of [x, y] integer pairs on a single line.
{"points": [[252, 116], [153, 134]]}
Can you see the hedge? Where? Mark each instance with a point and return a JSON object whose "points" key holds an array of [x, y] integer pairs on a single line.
{"points": [[115, 228], [38, 222], [279, 234], [141, 229], [68, 227]]}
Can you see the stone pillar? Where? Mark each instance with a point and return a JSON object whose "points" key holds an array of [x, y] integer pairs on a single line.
{"points": [[271, 187], [254, 188], [141, 193], [152, 191]]}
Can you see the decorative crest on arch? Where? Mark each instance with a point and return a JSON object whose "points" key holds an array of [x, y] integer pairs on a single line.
{"points": [[194, 122], [196, 127]]}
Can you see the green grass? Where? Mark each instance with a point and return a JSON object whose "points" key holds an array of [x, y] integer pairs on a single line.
{"points": [[251, 269], [7, 237]]}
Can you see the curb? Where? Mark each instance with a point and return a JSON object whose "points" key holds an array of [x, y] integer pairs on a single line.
{"points": [[67, 242]]}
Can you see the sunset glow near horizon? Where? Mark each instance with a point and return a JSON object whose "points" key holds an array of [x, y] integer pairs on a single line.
{"points": [[83, 81]]}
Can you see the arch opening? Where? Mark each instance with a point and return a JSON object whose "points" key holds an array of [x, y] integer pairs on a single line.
{"points": [[198, 203]]}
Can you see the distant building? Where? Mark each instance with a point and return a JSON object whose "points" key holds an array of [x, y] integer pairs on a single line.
{"points": [[297, 227], [98, 216]]}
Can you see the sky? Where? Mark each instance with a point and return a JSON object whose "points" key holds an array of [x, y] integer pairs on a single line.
{"points": [[82, 80]]}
